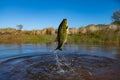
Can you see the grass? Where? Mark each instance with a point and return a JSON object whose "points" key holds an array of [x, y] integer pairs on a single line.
{"points": [[26, 38], [97, 37]]}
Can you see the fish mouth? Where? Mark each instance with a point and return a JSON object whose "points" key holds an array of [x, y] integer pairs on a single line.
{"points": [[65, 20]]}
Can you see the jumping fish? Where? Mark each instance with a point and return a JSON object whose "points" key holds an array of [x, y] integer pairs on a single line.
{"points": [[62, 34]]}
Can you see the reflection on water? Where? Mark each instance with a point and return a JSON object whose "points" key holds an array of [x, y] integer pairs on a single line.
{"points": [[101, 50]]}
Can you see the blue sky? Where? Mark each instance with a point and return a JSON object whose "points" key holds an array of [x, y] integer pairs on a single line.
{"points": [[39, 14]]}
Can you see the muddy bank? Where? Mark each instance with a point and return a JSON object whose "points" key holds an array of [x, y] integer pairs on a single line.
{"points": [[60, 67]]}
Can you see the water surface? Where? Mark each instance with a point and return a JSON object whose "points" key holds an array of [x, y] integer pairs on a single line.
{"points": [[75, 62], [9, 50]]}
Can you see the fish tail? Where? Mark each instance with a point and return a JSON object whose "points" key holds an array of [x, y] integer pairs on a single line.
{"points": [[59, 49]]}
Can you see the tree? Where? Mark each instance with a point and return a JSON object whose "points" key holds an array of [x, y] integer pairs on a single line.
{"points": [[116, 17], [20, 26]]}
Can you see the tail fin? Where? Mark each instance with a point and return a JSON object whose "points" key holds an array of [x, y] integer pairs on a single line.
{"points": [[59, 49]]}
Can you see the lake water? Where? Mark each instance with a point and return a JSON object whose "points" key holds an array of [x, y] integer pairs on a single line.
{"points": [[10, 50], [75, 62]]}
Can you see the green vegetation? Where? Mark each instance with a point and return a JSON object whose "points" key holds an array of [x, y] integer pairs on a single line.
{"points": [[20, 26], [97, 37], [116, 17], [23, 38]]}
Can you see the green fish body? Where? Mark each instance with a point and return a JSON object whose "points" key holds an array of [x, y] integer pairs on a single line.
{"points": [[62, 34]]}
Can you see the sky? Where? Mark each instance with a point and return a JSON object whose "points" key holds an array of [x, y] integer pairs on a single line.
{"points": [[39, 14]]}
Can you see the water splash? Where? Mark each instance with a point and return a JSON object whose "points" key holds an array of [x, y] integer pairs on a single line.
{"points": [[66, 63], [58, 63], [61, 62]]}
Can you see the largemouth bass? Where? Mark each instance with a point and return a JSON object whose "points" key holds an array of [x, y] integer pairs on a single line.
{"points": [[62, 34]]}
